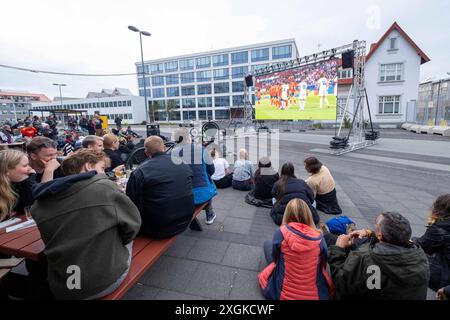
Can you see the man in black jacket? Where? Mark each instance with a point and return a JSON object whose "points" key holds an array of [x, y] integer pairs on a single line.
{"points": [[388, 266], [162, 191]]}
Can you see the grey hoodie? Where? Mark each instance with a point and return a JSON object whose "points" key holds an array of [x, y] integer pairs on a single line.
{"points": [[86, 222]]}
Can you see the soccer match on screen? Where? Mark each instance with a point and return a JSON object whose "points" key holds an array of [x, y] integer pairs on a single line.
{"points": [[304, 93]]}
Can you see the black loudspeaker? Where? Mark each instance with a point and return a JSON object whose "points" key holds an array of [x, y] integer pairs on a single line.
{"points": [[249, 81], [347, 59]]}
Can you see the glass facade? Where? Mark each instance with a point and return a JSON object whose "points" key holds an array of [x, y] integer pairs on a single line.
{"points": [[239, 57], [188, 91], [223, 87], [260, 55], [204, 89], [220, 60], [209, 80], [282, 52]]}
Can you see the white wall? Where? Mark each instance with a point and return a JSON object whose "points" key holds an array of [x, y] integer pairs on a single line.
{"points": [[407, 89]]}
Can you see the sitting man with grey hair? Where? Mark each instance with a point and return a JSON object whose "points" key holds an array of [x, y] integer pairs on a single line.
{"points": [[162, 191], [385, 265]]}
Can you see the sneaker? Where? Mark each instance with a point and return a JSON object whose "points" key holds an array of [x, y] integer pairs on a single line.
{"points": [[210, 217]]}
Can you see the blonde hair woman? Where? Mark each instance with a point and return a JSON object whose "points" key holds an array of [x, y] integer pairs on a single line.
{"points": [[297, 259], [14, 168], [243, 172]]}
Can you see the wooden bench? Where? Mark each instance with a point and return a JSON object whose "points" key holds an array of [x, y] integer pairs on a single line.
{"points": [[146, 252]]}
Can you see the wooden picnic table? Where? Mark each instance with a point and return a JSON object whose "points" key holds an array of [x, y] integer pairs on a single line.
{"points": [[24, 243]]}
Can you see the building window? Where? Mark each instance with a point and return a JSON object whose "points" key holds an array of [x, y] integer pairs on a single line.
{"points": [[282, 52], [203, 62], [203, 76], [204, 89], [222, 101], [345, 73], [237, 86], [389, 105], [260, 55], [393, 44], [146, 69], [188, 103], [220, 60], [391, 72], [158, 93], [173, 92], [189, 115], [157, 81], [187, 77], [157, 68], [238, 101], [188, 91], [110, 104], [222, 114], [141, 82], [205, 102], [172, 79], [223, 87], [221, 74], [187, 64], [120, 103], [205, 115], [259, 66], [238, 72], [129, 103], [239, 57], [172, 66]]}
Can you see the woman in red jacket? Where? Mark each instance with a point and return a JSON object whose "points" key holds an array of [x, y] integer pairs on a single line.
{"points": [[297, 259]]}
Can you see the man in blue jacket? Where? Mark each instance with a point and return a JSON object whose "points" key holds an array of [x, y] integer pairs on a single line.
{"points": [[201, 163]]}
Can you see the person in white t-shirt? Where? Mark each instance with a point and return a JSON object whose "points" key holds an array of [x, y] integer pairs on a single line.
{"points": [[323, 90], [284, 96], [223, 175], [302, 94]]}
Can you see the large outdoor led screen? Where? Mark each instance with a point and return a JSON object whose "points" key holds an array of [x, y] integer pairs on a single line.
{"points": [[305, 93]]}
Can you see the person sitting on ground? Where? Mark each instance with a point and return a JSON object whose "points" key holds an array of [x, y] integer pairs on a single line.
{"points": [[322, 184], [14, 168], [93, 142], [42, 154], [223, 174], [265, 178], [130, 132], [162, 191], [297, 259], [243, 172], [85, 221], [386, 265], [287, 188], [111, 148], [436, 243], [202, 167]]}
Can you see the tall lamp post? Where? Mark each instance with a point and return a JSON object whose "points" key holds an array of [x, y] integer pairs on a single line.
{"points": [[145, 33], [60, 97]]}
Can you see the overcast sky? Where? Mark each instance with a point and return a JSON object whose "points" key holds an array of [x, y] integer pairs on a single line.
{"points": [[92, 36]]}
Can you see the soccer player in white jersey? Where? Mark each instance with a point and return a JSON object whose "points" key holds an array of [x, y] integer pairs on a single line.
{"points": [[302, 93], [284, 96], [323, 90], [335, 85]]}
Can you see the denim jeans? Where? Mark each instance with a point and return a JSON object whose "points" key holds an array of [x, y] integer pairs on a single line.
{"points": [[268, 251]]}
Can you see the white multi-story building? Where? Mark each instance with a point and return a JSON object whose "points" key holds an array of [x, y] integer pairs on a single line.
{"points": [[392, 77], [207, 85], [111, 103]]}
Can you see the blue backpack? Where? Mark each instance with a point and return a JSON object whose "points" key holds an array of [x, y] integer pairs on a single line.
{"points": [[339, 225]]}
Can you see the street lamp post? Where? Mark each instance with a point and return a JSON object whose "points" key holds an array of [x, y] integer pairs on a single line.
{"points": [[60, 97], [145, 33]]}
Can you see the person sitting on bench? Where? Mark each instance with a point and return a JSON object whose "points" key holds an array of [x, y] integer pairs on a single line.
{"points": [[162, 191], [86, 224]]}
